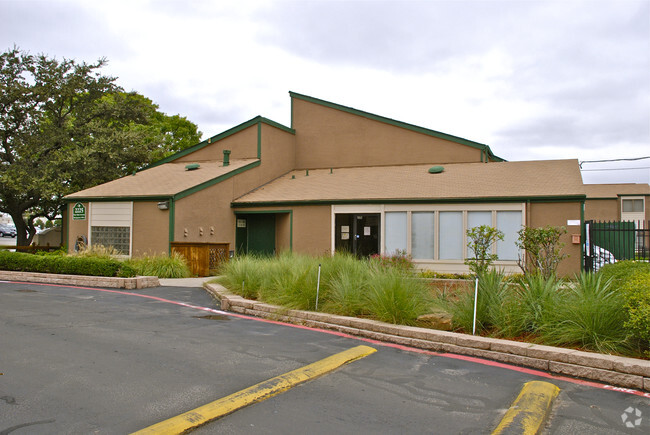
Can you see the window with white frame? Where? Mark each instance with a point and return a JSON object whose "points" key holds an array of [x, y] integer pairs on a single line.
{"points": [[438, 232], [477, 219], [396, 229], [110, 225], [633, 205], [451, 235], [509, 223], [422, 234]]}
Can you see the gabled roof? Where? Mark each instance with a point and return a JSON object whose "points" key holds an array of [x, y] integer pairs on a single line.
{"points": [[165, 181], [613, 191], [223, 135], [550, 179], [401, 124]]}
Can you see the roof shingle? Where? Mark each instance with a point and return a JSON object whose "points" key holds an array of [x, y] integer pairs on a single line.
{"points": [[548, 178]]}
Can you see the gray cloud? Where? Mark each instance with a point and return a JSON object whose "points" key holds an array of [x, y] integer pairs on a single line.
{"points": [[60, 29]]}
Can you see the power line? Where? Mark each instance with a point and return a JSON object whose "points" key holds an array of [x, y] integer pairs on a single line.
{"points": [[614, 160], [615, 169]]}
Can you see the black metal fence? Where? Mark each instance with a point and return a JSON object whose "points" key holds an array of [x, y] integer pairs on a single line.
{"points": [[609, 242]]}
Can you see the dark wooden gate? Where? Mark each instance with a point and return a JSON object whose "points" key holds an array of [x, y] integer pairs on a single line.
{"points": [[203, 258]]}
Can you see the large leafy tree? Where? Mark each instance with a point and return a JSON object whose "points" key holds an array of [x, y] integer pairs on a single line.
{"points": [[65, 127]]}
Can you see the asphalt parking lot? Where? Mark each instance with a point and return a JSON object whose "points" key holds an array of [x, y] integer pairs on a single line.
{"points": [[81, 360]]}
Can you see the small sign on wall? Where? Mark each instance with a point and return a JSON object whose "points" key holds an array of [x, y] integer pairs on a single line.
{"points": [[79, 212], [241, 223]]}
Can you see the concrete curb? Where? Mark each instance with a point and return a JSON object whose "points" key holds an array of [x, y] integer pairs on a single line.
{"points": [[137, 282], [609, 369]]}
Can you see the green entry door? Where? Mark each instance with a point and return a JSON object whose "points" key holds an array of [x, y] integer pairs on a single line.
{"points": [[255, 234]]}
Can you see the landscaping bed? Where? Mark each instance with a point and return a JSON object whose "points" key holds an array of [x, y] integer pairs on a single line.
{"points": [[593, 312]]}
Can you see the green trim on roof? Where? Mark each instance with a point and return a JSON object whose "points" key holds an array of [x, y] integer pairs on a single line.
{"points": [[243, 126], [395, 123], [219, 179], [176, 196], [259, 140], [538, 199]]}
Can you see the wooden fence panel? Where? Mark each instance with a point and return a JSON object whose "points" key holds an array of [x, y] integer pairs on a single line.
{"points": [[202, 258]]}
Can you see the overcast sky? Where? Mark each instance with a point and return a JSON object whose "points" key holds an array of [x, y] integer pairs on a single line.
{"points": [[532, 79]]}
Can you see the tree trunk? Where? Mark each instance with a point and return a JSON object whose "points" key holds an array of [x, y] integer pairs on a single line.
{"points": [[23, 236]]}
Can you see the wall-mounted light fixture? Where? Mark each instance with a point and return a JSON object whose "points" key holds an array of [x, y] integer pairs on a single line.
{"points": [[163, 205]]}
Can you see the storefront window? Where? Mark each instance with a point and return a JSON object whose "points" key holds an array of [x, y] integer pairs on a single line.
{"points": [[509, 222], [422, 235], [395, 232], [476, 219], [451, 235]]}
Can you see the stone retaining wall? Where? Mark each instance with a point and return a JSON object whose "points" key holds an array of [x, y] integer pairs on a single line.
{"points": [[82, 280], [613, 370]]}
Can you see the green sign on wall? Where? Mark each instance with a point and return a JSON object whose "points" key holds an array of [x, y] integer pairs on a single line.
{"points": [[79, 212]]}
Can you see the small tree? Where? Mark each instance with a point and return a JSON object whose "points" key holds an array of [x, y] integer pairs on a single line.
{"points": [[543, 249], [480, 241]]}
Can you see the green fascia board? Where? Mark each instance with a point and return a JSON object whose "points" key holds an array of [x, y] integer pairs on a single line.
{"points": [[539, 199], [284, 211], [216, 180], [396, 123], [176, 196], [223, 135]]}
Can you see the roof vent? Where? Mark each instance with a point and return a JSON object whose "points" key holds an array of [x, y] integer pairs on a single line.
{"points": [[192, 167], [436, 169]]}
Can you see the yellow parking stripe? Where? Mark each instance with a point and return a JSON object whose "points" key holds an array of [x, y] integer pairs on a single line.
{"points": [[256, 393], [529, 410]]}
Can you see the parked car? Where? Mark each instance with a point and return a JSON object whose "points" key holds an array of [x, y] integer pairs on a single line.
{"points": [[6, 230]]}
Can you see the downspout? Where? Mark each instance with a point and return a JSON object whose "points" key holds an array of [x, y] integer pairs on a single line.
{"points": [[583, 236], [172, 206]]}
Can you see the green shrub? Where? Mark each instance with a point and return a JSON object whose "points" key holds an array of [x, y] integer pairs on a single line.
{"points": [[590, 315], [347, 280], [243, 275], [439, 275], [543, 249], [70, 265], [293, 282], [636, 292], [161, 265], [394, 297], [536, 298], [401, 261], [499, 309], [480, 241], [621, 271]]}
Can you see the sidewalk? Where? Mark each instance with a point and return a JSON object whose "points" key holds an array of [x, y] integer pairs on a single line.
{"points": [[184, 282]]}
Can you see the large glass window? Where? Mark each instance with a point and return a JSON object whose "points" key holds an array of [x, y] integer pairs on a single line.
{"points": [[422, 235], [476, 219], [451, 235], [116, 237], [509, 222], [395, 232]]}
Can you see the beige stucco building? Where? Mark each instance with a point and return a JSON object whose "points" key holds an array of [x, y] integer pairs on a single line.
{"points": [[336, 179]]}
